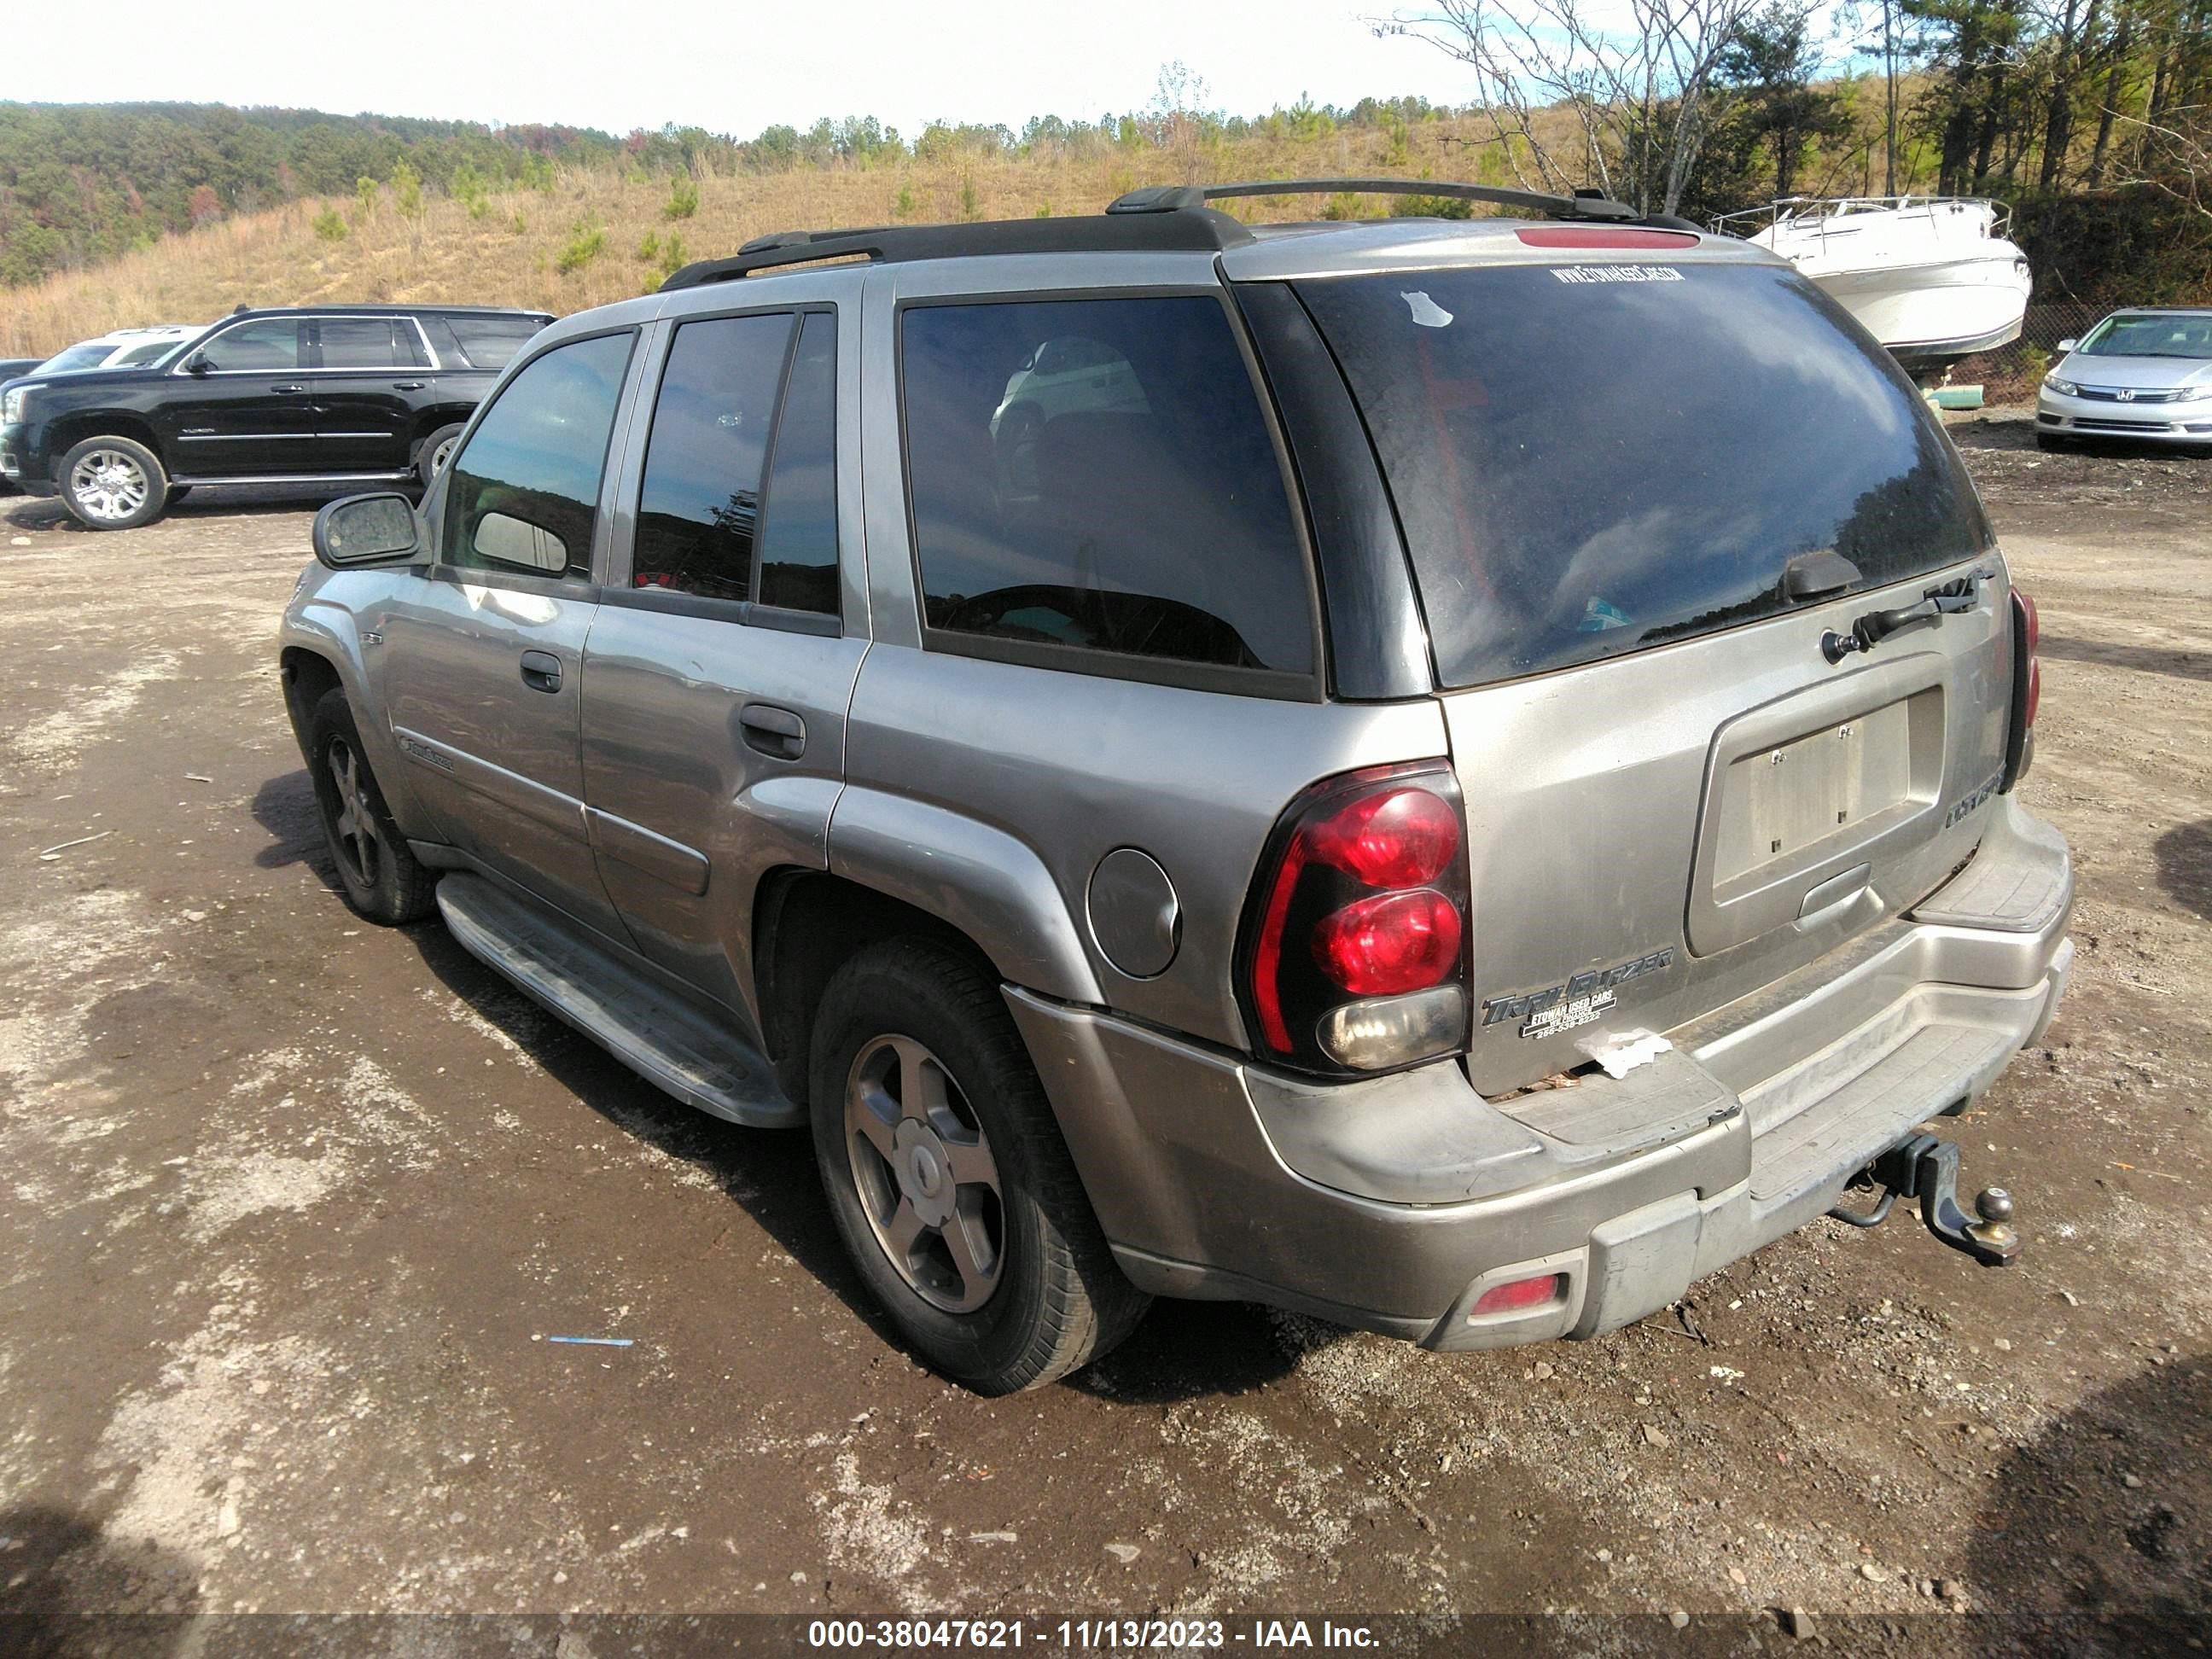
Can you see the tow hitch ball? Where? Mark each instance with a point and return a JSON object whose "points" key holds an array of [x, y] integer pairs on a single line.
{"points": [[1928, 1169]]}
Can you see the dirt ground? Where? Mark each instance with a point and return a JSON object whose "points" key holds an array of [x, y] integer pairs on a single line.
{"points": [[292, 1203]]}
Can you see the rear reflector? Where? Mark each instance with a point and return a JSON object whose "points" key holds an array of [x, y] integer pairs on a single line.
{"points": [[1603, 236], [1517, 1295]]}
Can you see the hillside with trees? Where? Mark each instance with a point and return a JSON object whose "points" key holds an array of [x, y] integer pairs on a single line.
{"points": [[2092, 118], [82, 184]]}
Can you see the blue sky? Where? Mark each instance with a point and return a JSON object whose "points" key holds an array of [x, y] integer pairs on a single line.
{"points": [[735, 67]]}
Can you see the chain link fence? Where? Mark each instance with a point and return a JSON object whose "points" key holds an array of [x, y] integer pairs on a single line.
{"points": [[2009, 374]]}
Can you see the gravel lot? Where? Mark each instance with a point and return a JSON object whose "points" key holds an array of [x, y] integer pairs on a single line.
{"points": [[291, 1203]]}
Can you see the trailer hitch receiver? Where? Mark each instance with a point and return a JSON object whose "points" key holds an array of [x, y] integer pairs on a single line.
{"points": [[1928, 1169]]}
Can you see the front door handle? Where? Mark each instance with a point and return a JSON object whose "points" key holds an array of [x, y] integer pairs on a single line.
{"points": [[288, 390], [775, 732], [541, 670], [408, 386]]}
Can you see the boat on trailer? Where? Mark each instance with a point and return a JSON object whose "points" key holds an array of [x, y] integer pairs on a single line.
{"points": [[1934, 278]]}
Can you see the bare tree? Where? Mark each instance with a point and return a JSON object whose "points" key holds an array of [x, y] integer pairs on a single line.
{"points": [[1637, 96]]}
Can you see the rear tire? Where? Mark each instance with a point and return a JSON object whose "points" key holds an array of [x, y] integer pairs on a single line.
{"points": [[380, 877], [437, 449], [114, 484], [980, 1242]]}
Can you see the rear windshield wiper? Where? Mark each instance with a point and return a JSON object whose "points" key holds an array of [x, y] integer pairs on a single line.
{"points": [[1945, 598]]}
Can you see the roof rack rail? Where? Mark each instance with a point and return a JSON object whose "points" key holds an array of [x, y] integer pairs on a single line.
{"points": [[1582, 204], [1158, 218], [1174, 231]]}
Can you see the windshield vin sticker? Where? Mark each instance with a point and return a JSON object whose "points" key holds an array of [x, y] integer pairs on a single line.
{"points": [[1616, 274], [1578, 1002]]}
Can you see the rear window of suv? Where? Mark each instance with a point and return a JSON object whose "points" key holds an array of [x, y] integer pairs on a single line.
{"points": [[1588, 466]]}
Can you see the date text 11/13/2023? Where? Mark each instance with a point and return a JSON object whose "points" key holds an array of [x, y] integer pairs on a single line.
{"points": [[953, 1635]]}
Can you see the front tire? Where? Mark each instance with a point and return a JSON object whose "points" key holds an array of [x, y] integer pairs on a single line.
{"points": [[380, 877], [114, 484], [946, 1174], [2051, 442], [437, 449]]}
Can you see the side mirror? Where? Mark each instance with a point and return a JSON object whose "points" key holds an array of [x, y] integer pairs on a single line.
{"points": [[196, 363], [361, 529], [516, 541], [2067, 345]]}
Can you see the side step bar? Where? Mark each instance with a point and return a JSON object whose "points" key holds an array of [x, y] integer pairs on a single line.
{"points": [[665, 1042]]}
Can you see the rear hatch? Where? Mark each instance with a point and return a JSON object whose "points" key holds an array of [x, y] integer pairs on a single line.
{"points": [[1638, 496]]}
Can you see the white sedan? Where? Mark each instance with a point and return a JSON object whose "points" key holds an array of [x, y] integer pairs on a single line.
{"points": [[2144, 373]]}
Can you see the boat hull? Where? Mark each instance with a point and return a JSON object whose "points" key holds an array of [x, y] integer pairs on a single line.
{"points": [[1939, 309]]}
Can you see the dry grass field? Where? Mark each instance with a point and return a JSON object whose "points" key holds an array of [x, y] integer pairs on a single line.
{"points": [[509, 249]]}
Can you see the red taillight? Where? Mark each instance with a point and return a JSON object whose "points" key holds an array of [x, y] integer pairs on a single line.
{"points": [[1363, 899], [2027, 688], [1394, 942], [1516, 1294], [1401, 839]]}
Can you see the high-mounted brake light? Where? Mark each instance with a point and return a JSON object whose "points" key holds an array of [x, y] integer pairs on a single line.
{"points": [[1354, 954], [1603, 236], [2027, 689]]}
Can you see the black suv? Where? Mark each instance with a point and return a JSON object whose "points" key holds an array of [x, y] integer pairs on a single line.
{"points": [[335, 393]]}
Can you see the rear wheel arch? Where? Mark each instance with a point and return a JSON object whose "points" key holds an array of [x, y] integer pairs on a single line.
{"points": [[806, 925], [431, 421]]}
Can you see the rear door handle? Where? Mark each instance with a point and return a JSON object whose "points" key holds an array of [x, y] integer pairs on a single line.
{"points": [[408, 386], [541, 670], [776, 733], [287, 390]]}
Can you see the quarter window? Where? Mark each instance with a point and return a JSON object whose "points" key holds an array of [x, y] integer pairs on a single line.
{"points": [[524, 494], [1097, 475], [269, 343]]}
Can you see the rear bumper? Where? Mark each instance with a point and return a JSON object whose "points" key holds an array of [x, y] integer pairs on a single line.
{"points": [[1392, 1204]]}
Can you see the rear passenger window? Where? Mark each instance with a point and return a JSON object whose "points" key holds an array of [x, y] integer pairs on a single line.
{"points": [[1097, 475], [491, 341], [699, 511], [369, 343], [524, 494], [798, 547]]}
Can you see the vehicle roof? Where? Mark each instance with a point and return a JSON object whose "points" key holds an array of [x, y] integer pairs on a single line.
{"points": [[385, 311], [1347, 247], [1158, 219], [120, 335], [2163, 311]]}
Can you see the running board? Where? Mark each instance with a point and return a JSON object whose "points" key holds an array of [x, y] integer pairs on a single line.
{"points": [[193, 480], [669, 1045]]}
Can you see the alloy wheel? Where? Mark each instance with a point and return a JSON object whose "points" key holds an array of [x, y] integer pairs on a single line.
{"points": [[108, 485], [926, 1180], [359, 841]]}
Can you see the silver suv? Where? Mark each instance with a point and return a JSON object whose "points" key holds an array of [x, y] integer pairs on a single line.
{"points": [[1451, 775]]}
